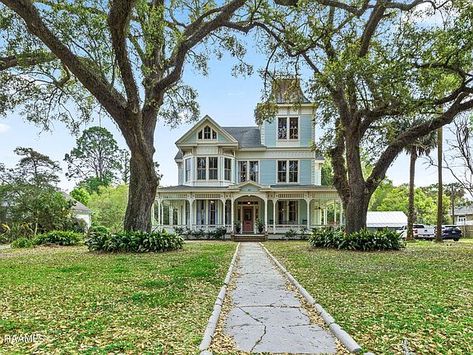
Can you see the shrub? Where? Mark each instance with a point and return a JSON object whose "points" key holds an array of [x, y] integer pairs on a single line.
{"points": [[64, 238], [134, 242], [217, 233], [13, 231], [290, 234], [22, 243], [364, 240], [75, 225]]}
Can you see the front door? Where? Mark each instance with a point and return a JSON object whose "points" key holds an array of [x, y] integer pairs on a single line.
{"points": [[248, 219]]}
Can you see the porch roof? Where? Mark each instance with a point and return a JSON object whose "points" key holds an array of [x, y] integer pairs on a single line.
{"points": [[278, 187]]}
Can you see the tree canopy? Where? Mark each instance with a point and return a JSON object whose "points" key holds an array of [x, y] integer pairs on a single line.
{"points": [[381, 73], [120, 58]]}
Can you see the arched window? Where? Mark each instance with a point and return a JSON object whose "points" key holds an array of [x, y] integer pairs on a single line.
{"points": [[207, 133]]}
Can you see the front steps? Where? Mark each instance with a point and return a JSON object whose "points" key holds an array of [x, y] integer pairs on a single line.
{"points": [[250, 237]]}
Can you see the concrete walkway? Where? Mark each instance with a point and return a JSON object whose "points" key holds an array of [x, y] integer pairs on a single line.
{"points": [[265, 315]]}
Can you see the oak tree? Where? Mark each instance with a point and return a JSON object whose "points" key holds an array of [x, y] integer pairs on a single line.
{"points": [[67, 59], [370, 64]]}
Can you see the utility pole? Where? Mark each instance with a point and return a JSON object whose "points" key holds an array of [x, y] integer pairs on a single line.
{"points": [[438, 233]]}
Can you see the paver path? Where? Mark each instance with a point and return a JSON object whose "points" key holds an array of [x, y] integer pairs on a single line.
{"points": [[266, 316]]}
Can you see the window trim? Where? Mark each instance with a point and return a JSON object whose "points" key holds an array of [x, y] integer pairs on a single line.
{"points": [[288, 131], [248, 170], [287, 171], [197, 168], [225, 159], [213, 134], [187, 177], [213, 169]]}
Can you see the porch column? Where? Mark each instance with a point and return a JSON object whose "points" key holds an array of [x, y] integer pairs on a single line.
{"points": [[325, 215], [159, 212], [334, 213], [191, 213], [307, 201], [265, 215], [232, 228], [222, 213], [275, 203], [171, 215]]}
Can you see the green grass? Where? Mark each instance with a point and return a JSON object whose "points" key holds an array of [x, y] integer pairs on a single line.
{"points": [[422, 295], [110, 303]]}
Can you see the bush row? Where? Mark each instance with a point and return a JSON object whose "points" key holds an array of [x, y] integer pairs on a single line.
{"points": [[64, 238], [363, 240], [100, 239], [215, 234]]}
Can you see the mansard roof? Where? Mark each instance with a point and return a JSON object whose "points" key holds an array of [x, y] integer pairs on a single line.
{"points": [[288, 91]]}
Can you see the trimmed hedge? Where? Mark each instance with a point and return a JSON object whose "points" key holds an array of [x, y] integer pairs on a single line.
{"points": [[363, 240], [64, 238], [133, 242]]}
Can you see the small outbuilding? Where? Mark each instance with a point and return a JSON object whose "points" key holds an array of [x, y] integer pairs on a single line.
{"points": [[79, 210], [386, 219]]}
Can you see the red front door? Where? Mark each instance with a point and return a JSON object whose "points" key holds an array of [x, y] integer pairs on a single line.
{"points": [[248, 219]]}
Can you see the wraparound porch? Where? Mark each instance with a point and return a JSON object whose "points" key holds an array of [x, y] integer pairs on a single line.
{"points": [[241, 210]]}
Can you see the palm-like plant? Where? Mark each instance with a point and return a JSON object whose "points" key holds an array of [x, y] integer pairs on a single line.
{"points": [[420, 147]]}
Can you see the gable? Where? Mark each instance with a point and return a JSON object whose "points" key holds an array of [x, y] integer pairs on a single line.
{"points": [[206, 131]]}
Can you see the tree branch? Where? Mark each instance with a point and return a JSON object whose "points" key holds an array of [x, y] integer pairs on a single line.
{"points": [[118, 21], [409, 136], [109, 98]]}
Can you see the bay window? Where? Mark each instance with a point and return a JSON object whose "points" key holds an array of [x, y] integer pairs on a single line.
{"points": [[213, 168], [228, 169], [187, 164], [201, 168]]}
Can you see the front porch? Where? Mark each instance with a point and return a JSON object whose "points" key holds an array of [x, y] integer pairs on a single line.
{"points": [[249, 209]]}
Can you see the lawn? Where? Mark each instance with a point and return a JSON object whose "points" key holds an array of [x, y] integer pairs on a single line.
{"points": [[421, 296], [96, 303]]}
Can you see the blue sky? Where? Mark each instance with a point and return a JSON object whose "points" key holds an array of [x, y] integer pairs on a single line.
{"points": [[229, 100]]}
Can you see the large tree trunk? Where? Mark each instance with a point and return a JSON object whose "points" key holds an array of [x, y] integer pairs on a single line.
{"points": [[142, 193], [143, 177], [356, 209], [411, 212], [438, 234]]}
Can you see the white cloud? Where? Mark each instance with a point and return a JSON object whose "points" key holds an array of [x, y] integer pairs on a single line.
{"points": [[4, 127]]}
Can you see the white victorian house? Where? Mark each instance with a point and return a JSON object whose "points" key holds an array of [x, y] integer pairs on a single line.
{"points": [[241, 177]]}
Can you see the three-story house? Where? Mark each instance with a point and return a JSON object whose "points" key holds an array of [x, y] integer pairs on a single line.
{"points": [[265, 176]]}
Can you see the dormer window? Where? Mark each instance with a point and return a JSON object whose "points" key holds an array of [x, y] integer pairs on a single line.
{"points": [[288, 128], [207, 133]]}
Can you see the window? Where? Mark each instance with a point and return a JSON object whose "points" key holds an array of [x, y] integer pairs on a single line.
{"points": [[253, 171], [282, 128], [228, 169], [188, 170], [288, 128], [242, 165], [201, 169], [282, 169], [207, 133], [201, 212], [288, 170], [292, 212], [212, 212], [287, 212], [248, 171], [213, 168], [293, 170], [293, 128]]}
